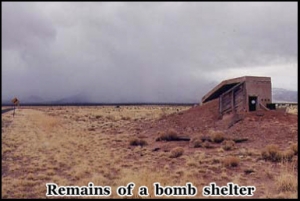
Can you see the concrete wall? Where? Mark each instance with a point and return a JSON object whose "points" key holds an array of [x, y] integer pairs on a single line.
{"points": [[234, 98], [234, 93], [238, 96], [260, 88]]}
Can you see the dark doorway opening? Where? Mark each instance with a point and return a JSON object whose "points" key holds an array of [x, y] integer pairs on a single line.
{"points": [[271, 106], [252, 103]]}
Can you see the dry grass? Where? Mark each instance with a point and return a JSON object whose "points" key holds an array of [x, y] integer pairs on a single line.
{"points": [[197, 143], [228, 145], [272, 153], [111, 117], [126, 118], [169, 135], [43, 145], [231, 161], [176, 152], [217, 136], [137, 142], [287, 155], [269, 172], [207, 145], [292, 110], [287, 180], [294, 148]]}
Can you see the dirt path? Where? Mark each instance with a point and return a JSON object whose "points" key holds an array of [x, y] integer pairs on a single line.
{"points": [[37, 149]]}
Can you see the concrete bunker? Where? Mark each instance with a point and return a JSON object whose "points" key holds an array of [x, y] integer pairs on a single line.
{"points": [[242, 94]]}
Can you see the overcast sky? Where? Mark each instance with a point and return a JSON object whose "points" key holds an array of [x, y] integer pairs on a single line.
{"points": [[144, 51]]}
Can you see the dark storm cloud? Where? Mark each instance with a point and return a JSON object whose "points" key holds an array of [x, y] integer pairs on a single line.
{"points": [[24, 25], [128, 51]]}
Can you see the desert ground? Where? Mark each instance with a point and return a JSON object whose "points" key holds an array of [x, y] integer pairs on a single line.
{"points": [[110, 146]]}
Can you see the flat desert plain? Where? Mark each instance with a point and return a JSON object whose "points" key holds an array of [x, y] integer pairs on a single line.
{"points": [[113, 146]]}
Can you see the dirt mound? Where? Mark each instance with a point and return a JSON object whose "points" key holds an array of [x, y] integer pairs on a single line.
{"points": [[262, 127], [267, 127], [195, 119]]}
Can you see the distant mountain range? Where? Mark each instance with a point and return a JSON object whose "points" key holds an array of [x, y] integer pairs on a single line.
{"points": [[78, 98], [33, 99], [30, 99], [284, 95], [278, 95]]}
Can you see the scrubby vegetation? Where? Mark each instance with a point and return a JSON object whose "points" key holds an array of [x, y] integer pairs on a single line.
{"points": [[273, 153], [137, 142], [228, 145], [176, 152], [169, 135], [113, 146], [231, 161], [217, 136]]}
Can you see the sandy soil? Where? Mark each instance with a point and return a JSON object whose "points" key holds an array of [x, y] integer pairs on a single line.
{"points": [[76, 145]]}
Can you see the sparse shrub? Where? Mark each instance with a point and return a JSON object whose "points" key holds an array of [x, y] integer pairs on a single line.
{"points": [[125, 118], [272, 153], [163, 113], [231, 161], [176, 152], [249, 171], [217, 136], [287, 155], [137, 142], [91, 129], [207, 145], [162, 116], [170, 135], [228, 145], [287, 182], [192, 164], [197, 143], [111, 117], [294, 148], [98, 116]]}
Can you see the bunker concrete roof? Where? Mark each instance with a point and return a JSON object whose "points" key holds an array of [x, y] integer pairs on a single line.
{"points": [[228, 84]]}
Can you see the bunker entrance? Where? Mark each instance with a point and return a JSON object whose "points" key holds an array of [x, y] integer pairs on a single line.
{"points": [[252, 103]]}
